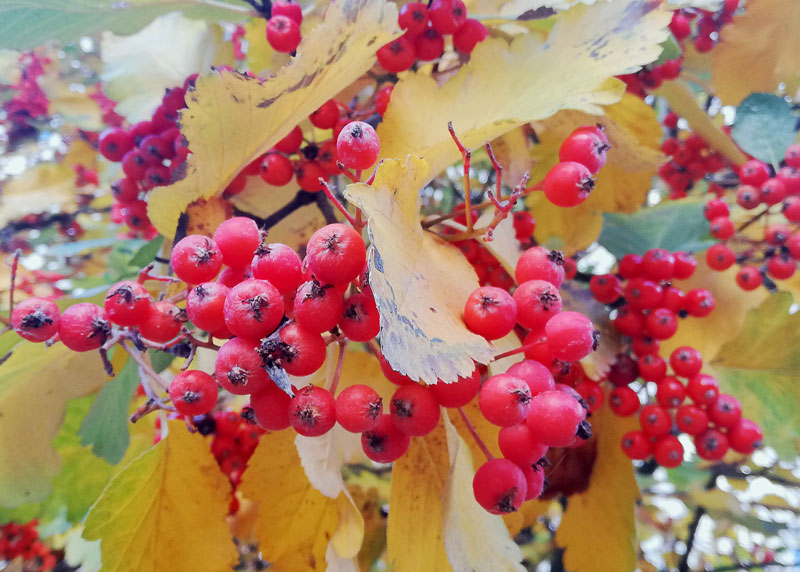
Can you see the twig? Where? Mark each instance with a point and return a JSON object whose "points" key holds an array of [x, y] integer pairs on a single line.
{"points": [[466, 156], [337, 374], [14, 267], [138, 357], [683, 564], [751, 566], [106, 363], [144, 275], [324, 206], [475, 436], [332, 197]]}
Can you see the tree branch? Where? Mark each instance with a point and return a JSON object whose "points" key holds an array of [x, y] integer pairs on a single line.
{"points": [[683, 564]]}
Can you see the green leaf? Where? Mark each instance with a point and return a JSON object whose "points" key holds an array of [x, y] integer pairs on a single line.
{"points": [[25, 24], [160, 360], [147, 253], [764, 127], [671, 50], [105, 427], [676, 225], [759, 366]]}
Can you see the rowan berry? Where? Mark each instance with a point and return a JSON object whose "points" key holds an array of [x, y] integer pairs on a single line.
{"points": [[312, 411], [36, 319], [499, 486], [193, 392]]}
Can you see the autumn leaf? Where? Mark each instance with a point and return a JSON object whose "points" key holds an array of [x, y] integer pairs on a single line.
{"points": [[622, 184], [609, 500], [420, 282], [759, 365], [40, 188], [32, 382], [758, 51], [246, 116], [525, 81], [142, 515]]}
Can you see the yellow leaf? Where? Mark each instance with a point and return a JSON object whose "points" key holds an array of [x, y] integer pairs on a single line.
{"points": [[262, 59], [512, 151], [295, 522], [504, 86], [622, 184], [473, 538], [45, 187], [139, 67], [682, 101], [322, 458], [206, 215], [143, 514], [233, 119], [420, 282], [33, 381], [609, 501], [504, 244], [414, 535], [758, 50]]}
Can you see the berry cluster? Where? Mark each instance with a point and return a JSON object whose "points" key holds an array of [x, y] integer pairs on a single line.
{"points": [[581, 155], [21, 542], [29, 101], [774, 255], [690, 160], [426, 25], [707, 25], [283, 26]]}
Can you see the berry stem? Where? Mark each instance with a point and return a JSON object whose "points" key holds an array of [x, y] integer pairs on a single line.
{"points": [[337, 374], [143, 364], [14, 267], [329, 193], [498, 169], [474, 433], [513, 352], [466, 156], [144, 275]]}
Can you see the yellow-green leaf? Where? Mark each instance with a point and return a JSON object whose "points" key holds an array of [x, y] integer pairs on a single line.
{"points": [[598, 529], [143, 514], [525, 81], [232, 119], [759, 365], [38, 381], [420, 282]]}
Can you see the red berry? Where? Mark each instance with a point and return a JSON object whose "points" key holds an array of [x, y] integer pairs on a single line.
{"points": [[629, 322], [490, 312], [163, 322], [413, 17], [230, 277], [326, 116], [781, 267], [623, 371], [586, 148], [358, 146], [722, 228], [571, 336], [630, 266], [670, 393], [383, 97], [288, 9], [556, 418], [711, 445], [536, 302], [539, 263], [318, 307], [359, 408], [429, 45], [719, 257], [655, 420], [204, 306], [691, 419], [336, 254], [414, 410], [193, 392], [726, 411], [312, 411], [196, 259], [773, 191], [458, 393], [748, 278], [592, 394], [716, 208], [504, 400], [398, 55], [643, 294], [745, 437], [658, 264], [238, 367], [469, 34], [283, 34], [278, 264], [291, 142], [276, 169], [237, 238], [125, 190], [384, 443], [114, 143], [536, 375], [35, 319], [134, 165], [652, 368], [394, 376], [301, 352], [754, 172], [636, 445], [360, 321], [605, 288], [645, 345], [309, 174], [686, 361], [748, 197], [668, 451], [82, 327], [499, 485], [568, 184], [703, 389], [518, 445], [271, 407], [534, 480], [253, 309], [699, 302]]}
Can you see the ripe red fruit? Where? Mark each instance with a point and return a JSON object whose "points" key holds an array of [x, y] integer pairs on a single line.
{"points": [[278, 264], [571, 336], [302, 352], [754, 172], [726, 411], [383, 97], [652, 367], [636, 445], [312, 411], [716, 208], [536, 302], [35, 319], [238, 367], [686, 361], [358, 146], [326, 116], [748, 197], [276, 169], [490, 312], [670, 392], [398, 55], [691, 419], [568, 184], [748, 278], [499, 486], [504, 400], [318, 307], [253, 309], [699, 302], [336, 254], [539, 263], [643, 294], [534, 480], [358, 408], [745, 437], [414, 410], [536, 375], [291, 142], [556, 419], [469, 34], [661, 324], [720, 257], [230, 277], [447, 15], [703, 389], [114, 143], [605, 288], [722, 228], [395, 377], [193, 392], [645, 346], [204, 306], [518, 445], [658, 264], [655, 420], [624, 370], [196, 259], [384, 443], [773, 191], [163, 322], [429, 45], [271, 407], [360, 321], [458, 393], [586, 148], [413, 17], [237, 239], [781, 267], [309, 174], [711, 445], [668, 451], [592, 394], [629, 322], [283, 34], [288, 9], [83, 327]]}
